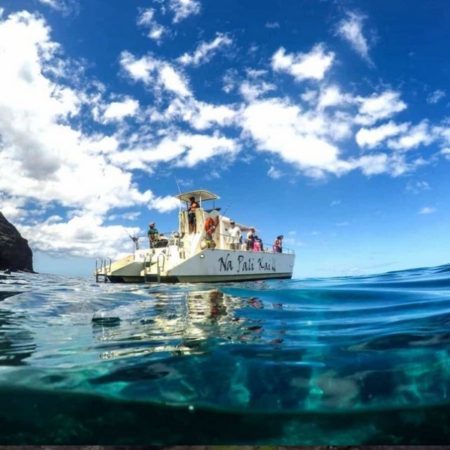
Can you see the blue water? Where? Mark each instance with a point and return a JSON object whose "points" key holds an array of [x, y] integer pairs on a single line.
{"points": [[352, 360]]}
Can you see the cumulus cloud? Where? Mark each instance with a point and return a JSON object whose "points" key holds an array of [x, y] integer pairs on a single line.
{"points": [[12, 207], [156, 73], [199, 115], [351, 29], [378, 107], [330, 96], [181, 149], [57, 161], [83, 235], [413, 138], [445, 152], [303, 66], [146, 19], [274, 173], [436, 96], [298, 138], [253, 89], [373, 137], [184, 8], [64, 6], [205, 51], [121, 109]]}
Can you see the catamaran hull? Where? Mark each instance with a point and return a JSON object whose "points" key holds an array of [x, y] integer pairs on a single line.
{"points": [[211, 266]]}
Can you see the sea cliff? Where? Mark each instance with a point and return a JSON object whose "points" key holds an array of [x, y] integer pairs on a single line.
{"points": [[15, 254]]}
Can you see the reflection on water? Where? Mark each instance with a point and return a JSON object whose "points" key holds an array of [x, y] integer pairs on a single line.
{"points": [[285, 357]]}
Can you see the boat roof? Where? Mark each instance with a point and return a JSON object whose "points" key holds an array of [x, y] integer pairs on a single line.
{"points": [[200, 194]]}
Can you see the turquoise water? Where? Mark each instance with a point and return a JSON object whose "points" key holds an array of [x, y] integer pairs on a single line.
{"points": [[354, 360]]}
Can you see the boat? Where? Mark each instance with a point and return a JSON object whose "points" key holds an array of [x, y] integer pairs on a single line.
{"points": [[192, 256]]}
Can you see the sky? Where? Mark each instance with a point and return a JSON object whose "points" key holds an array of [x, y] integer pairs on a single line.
{"points": [[325, 121]]}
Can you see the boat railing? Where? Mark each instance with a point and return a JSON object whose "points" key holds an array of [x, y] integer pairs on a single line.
{"points": [[102, 267], [243, 246]]}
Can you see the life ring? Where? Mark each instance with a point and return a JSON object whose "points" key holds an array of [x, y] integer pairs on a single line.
{"points": [[210, 225]]}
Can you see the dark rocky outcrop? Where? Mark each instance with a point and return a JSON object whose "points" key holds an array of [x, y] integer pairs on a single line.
{"points": [[15, 254]]}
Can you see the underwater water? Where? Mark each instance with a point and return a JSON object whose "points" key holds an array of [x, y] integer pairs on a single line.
{"points": [[352, 360]]}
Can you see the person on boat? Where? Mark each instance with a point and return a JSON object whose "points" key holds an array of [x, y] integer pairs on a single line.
{"points": [[250, 239], [192, 207], [234, 235], [210, 228], [278, 244], [257, 244], [153, 234]]}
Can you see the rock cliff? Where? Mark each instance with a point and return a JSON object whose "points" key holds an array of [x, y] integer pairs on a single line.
{"points": [[15, 254]]}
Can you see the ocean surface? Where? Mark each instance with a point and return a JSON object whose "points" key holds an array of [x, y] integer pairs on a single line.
{"points": [[352, 360]]}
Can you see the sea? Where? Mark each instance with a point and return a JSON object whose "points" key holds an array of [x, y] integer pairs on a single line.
{"points": [[339, 361]]}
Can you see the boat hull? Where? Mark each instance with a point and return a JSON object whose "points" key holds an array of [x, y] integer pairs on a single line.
{"points": [[212, 265]]}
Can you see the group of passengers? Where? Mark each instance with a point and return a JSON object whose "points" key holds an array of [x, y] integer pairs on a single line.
{"points": [[252, 242], [233, 238]]}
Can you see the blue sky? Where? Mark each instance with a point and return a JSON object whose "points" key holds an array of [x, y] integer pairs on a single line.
{"points": [[325, 121]]}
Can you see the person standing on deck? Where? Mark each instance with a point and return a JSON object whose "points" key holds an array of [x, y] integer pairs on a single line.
{"points": [[250, 239], [192, 220], [278, 244], [153, 234], [235, 236]]}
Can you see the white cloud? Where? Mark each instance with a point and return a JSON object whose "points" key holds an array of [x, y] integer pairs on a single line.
{"points": [[251, 90], [378, 106], [351, 30], [274, 173], [436, 96], [205, 115], [279, 127], [63, 6], [12, 207], [52, 3], [415, 136], [373, 164], [82, 235], [146, 19], [329, 97], [229, 80], [445, 152], [47, 159], [416, 187], [181, 149], [164, 204], [372, 137], [197, 114], [272, 25], [427, 210], [119, 110], [302, 66], [184, 8], [205, 51], [155, 73]]}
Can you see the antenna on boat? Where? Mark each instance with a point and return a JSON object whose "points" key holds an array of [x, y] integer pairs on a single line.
{"points": [[226, 209], [135, 239], [178, 186], [179, 191]]}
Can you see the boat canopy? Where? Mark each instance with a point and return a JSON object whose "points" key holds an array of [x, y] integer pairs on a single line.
{"points": [[200, 195]]}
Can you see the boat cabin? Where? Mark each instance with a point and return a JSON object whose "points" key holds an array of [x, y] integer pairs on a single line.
{"points": [[195, 237]]}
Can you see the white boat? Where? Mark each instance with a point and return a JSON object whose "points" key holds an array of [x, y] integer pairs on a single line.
{"points": [[185, 256]]}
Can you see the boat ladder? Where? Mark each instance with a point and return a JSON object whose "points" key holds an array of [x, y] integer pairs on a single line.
{"points": [[102, 267]]}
